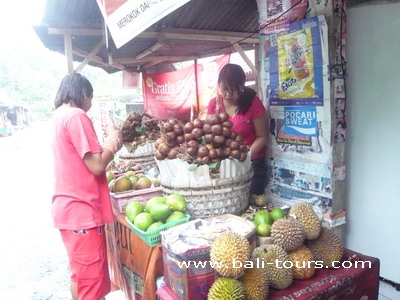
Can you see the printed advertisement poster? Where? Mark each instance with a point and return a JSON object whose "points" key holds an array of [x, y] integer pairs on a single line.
{"points": [[127, 18], [300, 145], [171, 94], [276, 15], [301, 120], [296, 65], [207, 77]]}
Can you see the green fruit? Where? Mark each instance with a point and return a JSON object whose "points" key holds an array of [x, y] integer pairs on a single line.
{"points": [[263, 229], [110, 176], [176, 215], [134, 181], [154, 200], [143, 183], [176, 202], [154, 226], [277, 213], [160, 211], [133, 209], [262, 217], [122, 184], [156, 182], [111, 185], [130, 173], [143, 221]]}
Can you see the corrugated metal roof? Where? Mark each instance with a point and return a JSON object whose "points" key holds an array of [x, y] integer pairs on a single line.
{"points": [[211, 16]]}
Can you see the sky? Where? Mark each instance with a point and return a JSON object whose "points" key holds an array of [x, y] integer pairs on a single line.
{"points": [[17, 18]]}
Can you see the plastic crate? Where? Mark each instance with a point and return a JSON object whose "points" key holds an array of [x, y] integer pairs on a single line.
{"points": [[123, 198], [153, 238]]}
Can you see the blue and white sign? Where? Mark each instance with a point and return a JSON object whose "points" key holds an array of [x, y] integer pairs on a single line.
{"points": [[300, 120]]}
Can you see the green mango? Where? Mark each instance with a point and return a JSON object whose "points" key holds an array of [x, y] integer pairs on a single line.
{"points": [[154, 226], [176, 215], [160, 211], [176, 201], [154, 200]]}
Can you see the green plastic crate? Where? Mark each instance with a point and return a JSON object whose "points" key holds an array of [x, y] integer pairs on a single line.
{"points": [[153, 237]]}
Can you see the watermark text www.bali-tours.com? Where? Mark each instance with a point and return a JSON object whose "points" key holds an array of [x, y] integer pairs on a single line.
{"points": [[261, 263]]}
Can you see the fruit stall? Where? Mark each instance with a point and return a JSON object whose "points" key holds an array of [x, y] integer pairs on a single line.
{"points": [[187, 227]]}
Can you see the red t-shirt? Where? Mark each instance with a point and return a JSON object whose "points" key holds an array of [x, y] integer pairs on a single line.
{"points": [[243, 123], [81, 199]]}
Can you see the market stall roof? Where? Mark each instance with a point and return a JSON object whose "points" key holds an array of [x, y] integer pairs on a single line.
{"points": [[199, 28]]}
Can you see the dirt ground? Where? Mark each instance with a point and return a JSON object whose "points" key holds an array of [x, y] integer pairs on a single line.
{"points": [[33, 262]]}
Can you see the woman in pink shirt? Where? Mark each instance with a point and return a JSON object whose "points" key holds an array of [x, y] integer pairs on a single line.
{"points": [[248, 115], [81, 203]]}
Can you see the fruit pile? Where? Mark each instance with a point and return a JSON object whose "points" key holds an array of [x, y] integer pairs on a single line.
{"points": [[130, 181], [263, 220], [138, 129], [200, 142], [299, 242], [157, 212]]}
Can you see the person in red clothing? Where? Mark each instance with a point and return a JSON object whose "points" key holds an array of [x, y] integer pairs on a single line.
{"points": [[81, 204], [248, 116]]}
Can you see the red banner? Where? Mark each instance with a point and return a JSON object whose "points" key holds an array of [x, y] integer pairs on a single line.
{"points": [[172, 94], [207, 79]]}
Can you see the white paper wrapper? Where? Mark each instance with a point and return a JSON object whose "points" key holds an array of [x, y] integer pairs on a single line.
{"points": [[202, 232], [181, 172], [142, 150]]}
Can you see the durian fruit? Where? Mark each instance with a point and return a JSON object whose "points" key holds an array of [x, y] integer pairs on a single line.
{"points": [[255, 283], [305, 214], [287, 233], [272, 258], [226, 289], [303, 263], [229, 253], [326, 248]]}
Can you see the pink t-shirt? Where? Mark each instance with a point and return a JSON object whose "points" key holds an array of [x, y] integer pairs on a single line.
{"points": [[81, 199], [243, 123]]}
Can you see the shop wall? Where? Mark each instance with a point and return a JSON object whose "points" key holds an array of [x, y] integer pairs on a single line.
{"points": [[373, 143]]}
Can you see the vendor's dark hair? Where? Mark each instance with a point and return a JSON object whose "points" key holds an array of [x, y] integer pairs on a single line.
{"points": [[73, 87], [233, 76]]}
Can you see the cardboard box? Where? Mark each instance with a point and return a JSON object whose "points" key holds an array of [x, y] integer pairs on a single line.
{"points": [[187, 271]]}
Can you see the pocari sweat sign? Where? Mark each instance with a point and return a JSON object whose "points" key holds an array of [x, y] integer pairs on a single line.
{"points": [[300, 120]]}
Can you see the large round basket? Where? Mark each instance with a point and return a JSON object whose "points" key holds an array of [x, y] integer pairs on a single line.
{"points": [[145, 162], [213, 198]]}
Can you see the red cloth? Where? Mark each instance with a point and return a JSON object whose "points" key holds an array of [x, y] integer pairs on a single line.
{"points": [[87, 251], [243, 123], [343, 283], [81, 199]]}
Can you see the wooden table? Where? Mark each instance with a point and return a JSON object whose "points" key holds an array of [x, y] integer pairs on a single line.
{"points": [[134, 266]]}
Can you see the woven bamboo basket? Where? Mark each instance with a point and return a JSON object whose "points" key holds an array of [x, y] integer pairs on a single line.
{"points": [[213, 198], [145, 162]]}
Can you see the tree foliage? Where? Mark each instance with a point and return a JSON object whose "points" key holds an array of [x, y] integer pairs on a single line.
{"points": [[31, 76]]}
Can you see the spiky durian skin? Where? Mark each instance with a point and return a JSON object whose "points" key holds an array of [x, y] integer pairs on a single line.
{"points": [[303, 263], [326, 248], [305, 214], [228, 248], [226, 289], [287, 233], [255, 283], [279, 277]]}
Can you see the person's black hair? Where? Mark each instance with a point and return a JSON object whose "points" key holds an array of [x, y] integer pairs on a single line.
{"points": [[73, 87], [233, 76]]}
